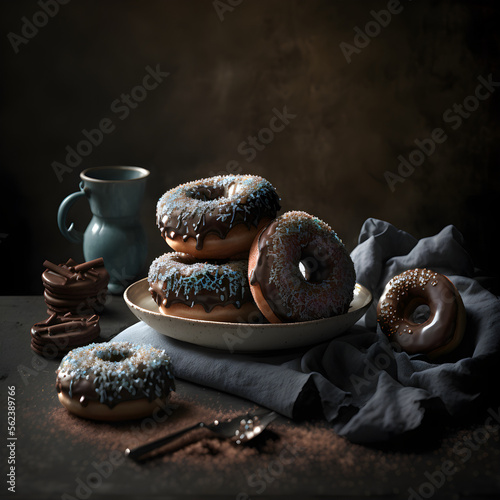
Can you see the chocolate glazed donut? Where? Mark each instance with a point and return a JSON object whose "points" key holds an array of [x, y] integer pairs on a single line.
{"points": [[218, 217], [281, 291], [114, 381], [441, 332], [184, 287]]}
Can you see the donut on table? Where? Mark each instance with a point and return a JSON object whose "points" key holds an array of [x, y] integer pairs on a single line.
{"points": [[114, 381], [218, 217], [214, 291], [441, 332], [281, 291]]}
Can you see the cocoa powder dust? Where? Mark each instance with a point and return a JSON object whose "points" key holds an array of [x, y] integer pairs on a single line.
{"points": [[288, 457]]}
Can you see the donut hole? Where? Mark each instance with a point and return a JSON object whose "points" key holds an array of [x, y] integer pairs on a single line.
{"points": [[302, 269], [113, 357], [312, 269], [420, 314], [207, 193], [308, 267]]}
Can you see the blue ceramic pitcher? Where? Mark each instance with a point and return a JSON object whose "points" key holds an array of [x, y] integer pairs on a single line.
{"points": [[115, 232]]}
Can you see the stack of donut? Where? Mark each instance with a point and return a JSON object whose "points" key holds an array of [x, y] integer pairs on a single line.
{"points": [[210, 224], [233, 258]]}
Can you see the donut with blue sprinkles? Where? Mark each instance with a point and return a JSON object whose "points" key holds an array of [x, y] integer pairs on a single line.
{"points": [[183, 286], [115, 381], [217, 217]]}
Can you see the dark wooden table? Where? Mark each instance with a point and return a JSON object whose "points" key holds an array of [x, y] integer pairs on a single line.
{"points": [[57, 455]]}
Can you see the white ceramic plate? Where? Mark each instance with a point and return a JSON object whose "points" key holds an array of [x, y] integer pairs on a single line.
{"points": [[244, 337]]}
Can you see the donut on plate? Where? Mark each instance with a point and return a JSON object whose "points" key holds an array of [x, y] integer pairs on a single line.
{"points": [[441, 332], [218, 217], [214, 291], [114, 381], [283, 292]]}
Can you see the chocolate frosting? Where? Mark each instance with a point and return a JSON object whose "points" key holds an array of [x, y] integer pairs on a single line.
{"points": [[403, 294], [326, 287], [59, 334], [96, 373], [68, 329], [80, 285], [215, 205], [84, 390], [262, 271], [180, 278], [73, 287]]}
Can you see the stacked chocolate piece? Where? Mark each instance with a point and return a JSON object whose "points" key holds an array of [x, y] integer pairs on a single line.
{"points": [[59, 333], [75, 288], [73, 294]]}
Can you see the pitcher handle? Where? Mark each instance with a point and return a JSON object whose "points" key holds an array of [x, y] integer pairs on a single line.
{"points": [[70, 233]]}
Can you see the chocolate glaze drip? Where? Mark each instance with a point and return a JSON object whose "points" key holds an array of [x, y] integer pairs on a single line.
{"points": [[84, 390], [207, 299], [180, 278], [114, 372], [215, 205], [262, 273]]}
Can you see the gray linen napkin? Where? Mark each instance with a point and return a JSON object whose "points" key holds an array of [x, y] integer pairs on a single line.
{"points": [[367, 390]]}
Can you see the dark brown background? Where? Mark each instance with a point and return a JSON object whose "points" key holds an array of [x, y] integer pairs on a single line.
{"points": [[353, 120]]}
